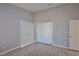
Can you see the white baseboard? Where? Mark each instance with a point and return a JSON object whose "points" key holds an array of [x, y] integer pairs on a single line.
{"points": [[56, 45], [26, 44], [2, 53], [60, 46]]}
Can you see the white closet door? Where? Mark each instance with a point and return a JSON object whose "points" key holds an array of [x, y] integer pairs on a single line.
{"points": [[74, 35], [45, 33], [26, 32]]}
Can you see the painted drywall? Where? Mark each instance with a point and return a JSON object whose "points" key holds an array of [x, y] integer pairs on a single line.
{"points": [[9, 25], [60, 17]]}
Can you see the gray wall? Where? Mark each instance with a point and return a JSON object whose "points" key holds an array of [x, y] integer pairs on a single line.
{"points": [[9, 25], [60, 17]]}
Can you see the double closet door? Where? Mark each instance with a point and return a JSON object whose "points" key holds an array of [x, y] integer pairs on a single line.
{"points": [[26, 32], [45, 33]]}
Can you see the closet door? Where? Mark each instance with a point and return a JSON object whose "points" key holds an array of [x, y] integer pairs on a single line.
{"points": [[45, 33], [74, 34], [26, 32]]}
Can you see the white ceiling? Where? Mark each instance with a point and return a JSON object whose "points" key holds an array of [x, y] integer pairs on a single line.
{"points": [[34, 7]]}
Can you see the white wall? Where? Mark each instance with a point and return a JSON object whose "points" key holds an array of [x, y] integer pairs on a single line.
{"points": [[10, 27], [60, 17]]}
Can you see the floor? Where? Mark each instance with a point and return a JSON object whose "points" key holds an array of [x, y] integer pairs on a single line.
{"points": [[40, 49]]}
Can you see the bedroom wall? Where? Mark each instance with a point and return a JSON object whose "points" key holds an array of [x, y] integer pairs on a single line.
{"points": [[60, 17], [9, 25]]}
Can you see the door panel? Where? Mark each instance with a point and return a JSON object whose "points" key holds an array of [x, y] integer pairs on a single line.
{"points": [[26, 32], [45, 33], [74, 35]]}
